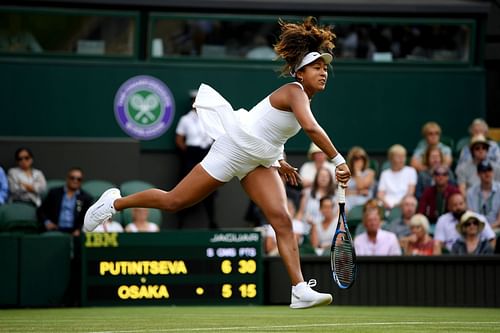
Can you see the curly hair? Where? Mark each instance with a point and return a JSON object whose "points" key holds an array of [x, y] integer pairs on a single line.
{"points": [[296, 40]]}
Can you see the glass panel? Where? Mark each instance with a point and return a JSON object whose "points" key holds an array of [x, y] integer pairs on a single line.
{"points": [[214, 37], [66, 33], [388, 42]]}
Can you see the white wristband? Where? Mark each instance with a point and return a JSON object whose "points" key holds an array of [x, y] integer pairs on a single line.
{"points": [[338, 160]]}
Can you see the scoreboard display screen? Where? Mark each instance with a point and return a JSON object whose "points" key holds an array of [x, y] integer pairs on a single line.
{"points": [[175, 267]]}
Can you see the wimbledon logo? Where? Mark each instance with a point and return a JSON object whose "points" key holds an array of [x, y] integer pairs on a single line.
{"points": [[144, 107]]}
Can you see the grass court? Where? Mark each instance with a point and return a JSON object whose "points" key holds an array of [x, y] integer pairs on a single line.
{"points": [[249, 319]]}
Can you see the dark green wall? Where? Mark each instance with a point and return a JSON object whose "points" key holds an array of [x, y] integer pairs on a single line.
{"points": [[373, 105]]}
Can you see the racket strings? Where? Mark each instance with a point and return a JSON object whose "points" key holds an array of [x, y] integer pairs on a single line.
{"points": [[344, 262]]}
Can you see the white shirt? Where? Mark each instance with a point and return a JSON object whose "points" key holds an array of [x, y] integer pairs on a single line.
{"points": [[447, 233], [112, 226], [308, 170], [191, 128], [298, 228], [395, 184], [152, 227], [386, 244]]}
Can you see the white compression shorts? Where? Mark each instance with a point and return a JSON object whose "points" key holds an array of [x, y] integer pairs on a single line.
{"points": [[226, 160]]}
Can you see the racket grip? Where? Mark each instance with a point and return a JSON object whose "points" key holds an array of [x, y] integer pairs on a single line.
{"points": [[341, 192]]}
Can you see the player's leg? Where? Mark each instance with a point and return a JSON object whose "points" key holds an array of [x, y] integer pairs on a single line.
{"points": [[192, 189], [266, 189]]}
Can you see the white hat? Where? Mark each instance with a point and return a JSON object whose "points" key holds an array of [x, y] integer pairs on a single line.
{"points": [[312, 57]]}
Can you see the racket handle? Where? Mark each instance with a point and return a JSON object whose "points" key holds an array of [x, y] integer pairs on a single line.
{"points": [[341, 192]]}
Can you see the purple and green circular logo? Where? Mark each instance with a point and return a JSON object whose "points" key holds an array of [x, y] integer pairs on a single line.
{"points": [[144, 107]]}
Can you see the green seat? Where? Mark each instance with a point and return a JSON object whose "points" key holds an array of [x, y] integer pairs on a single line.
{"points": [[53, 183], [375, 166], [18, 217], [461, 144], [354, 217], [155, 216], [96, 187], [134, 186], [393, 214], [448, 141]]}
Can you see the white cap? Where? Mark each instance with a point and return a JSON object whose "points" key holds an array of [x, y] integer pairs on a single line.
{"points": [[312, 57]]}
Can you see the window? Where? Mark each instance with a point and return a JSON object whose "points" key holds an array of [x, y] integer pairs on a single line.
{"points": [[64, 32], [403, 40], [214, 37]]}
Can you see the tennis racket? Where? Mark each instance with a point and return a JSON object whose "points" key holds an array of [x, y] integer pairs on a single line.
{"points": [[343, 256]]}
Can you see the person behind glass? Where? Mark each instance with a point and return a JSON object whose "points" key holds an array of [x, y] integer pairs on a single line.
{"points": [[433, 201], [484, 198], [318, 159], [299, 230], [431, 132], [26, 184], [140, 221], [4, 187], [470, 242], [446, 232], [194, 143], [480, 127], [419, 242], [397, 181], [375, 241], [360, 187], [401, 225], [323, 186], [249, 145], [322, 233], [467, 175], [433, 158], [64, 207]]}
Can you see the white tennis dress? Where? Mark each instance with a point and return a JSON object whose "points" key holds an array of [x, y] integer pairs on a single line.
{"points": [[243, 139]]}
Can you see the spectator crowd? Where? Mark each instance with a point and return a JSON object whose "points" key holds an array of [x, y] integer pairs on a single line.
{"points": [[441, 199]]}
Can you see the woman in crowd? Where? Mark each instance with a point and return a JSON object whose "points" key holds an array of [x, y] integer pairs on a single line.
{"points": [[362, 183], [26, 183]]}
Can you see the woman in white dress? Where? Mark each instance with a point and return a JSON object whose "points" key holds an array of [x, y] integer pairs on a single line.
{"points": [[249, 145]]}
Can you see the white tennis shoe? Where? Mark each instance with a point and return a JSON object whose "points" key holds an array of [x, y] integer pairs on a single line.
{"points": [[304, 297], [101, 210]]}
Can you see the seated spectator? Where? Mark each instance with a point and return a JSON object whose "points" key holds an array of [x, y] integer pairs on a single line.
{"points": [[431, 132], [419, 242], [375, 241], [361, 185], [446, 232], [467, 171], [480, 127], [397, 181], [4, 187], [322, 186], [140, 222], [470, 242], [318, 160], [401, 225], [299, 230], [433, 201], [322, 233], [433, 158], [64, 208], [373, 204], [484, 198], [26, 183], [109, 226]]}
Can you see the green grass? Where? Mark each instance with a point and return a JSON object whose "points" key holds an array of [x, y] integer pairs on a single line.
{"points": [[250, 319]]}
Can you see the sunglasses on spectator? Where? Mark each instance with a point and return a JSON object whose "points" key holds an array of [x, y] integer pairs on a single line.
{"points": [[480, 147], [474, 222], [79, 179], [23, 158], [433, 133], [440, 173]]}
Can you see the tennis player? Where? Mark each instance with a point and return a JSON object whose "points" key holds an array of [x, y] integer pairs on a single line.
{"points": [[249, 145]]}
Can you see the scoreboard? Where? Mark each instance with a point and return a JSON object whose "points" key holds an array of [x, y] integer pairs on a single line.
{"points": [[174, 267]]}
